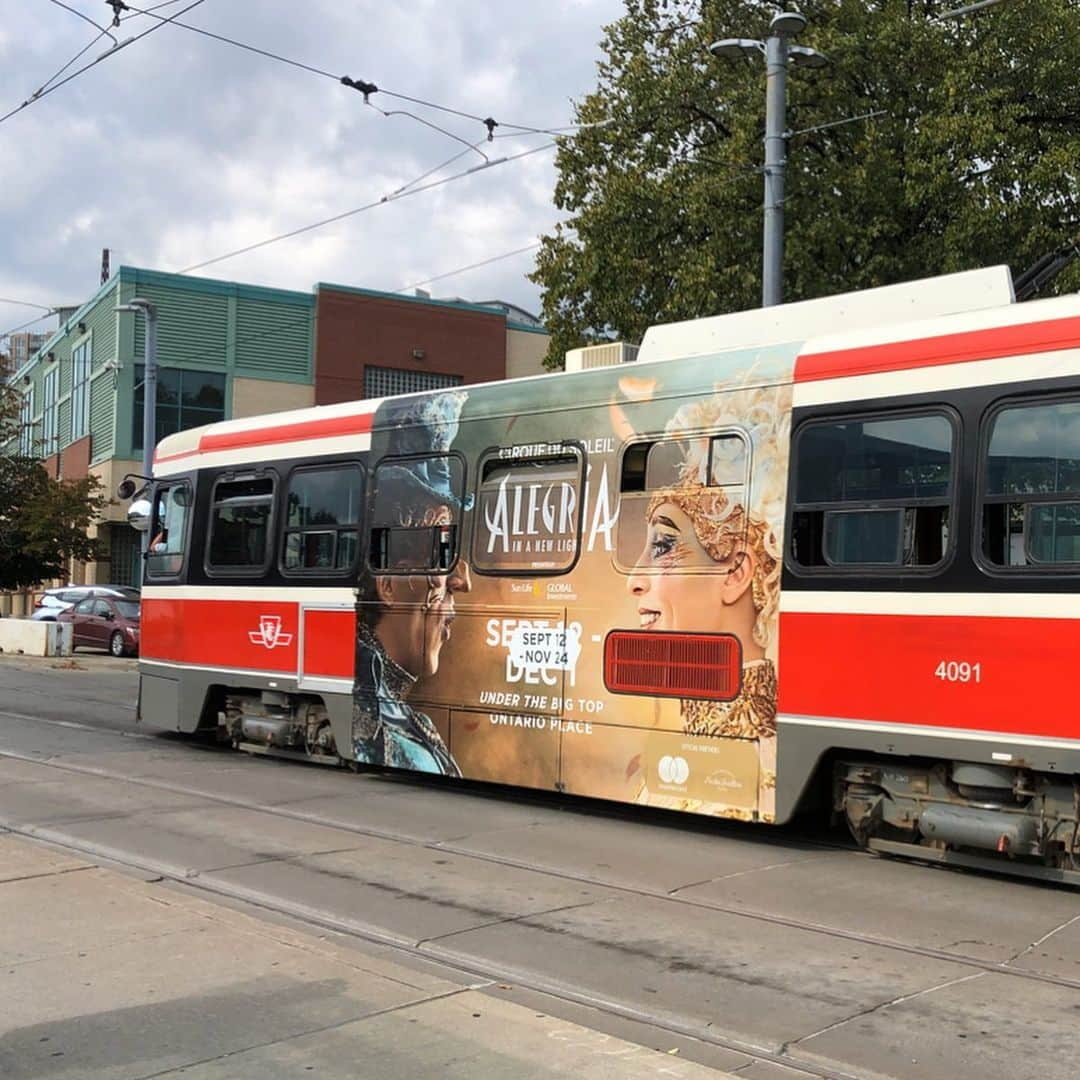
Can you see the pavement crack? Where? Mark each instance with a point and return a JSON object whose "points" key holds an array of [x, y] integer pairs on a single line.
{"points": [[1046, 937], [372, 1015], [743, 873], [511, 919], [880, 1007], [46, 873]]}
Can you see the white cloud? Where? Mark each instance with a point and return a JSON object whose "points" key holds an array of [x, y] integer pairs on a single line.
{"points": [[179, 148]]}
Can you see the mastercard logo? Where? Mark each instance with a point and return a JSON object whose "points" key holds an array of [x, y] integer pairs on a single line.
{"points": [[673, 770]]}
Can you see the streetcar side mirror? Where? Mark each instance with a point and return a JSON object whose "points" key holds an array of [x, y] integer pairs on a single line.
{"points": [[138, 514]]}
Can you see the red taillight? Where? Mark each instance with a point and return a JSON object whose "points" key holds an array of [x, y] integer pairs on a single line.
{"points": [[673, 665]]}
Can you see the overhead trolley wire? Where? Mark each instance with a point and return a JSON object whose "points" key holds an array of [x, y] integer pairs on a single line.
{"points": [[85, 18], [361, 85], [47, 89], [471, 266], [401, 193], [23, 326], [26, 303]]}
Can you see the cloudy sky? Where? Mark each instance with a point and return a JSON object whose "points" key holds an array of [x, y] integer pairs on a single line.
{"points": [[178, 149]]}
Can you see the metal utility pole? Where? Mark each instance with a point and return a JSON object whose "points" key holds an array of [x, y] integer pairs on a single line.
{"points": [[778, 52], [149, 388]]}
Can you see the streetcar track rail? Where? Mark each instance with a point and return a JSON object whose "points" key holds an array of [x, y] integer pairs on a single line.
{"points": [[449, 847], [428, 951]]}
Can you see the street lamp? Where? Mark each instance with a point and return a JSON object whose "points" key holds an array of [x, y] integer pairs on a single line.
{"points": [[778, 52], [149, 387]]}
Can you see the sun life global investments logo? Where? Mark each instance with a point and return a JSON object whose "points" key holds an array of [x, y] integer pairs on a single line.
{"points": [[673, 771], [270, 635]]}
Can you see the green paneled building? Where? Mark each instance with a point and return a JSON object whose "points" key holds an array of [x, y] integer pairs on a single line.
{"points": [[225, 350]]}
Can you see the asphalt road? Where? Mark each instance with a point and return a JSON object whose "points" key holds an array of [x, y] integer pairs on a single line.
{"points": [[770, 952]]}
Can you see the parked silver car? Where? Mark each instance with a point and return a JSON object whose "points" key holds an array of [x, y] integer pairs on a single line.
{"points": [[52, 601]]}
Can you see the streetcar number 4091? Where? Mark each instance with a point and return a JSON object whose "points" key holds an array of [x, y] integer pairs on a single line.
{"points": [[958, 671]]}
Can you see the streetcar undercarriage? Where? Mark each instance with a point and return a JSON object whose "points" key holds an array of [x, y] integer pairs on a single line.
{"points": [[1000, 817], [287, 725]]}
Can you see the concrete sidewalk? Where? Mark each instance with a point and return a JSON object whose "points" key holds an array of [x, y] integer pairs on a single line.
{"points": [[105, 975]]}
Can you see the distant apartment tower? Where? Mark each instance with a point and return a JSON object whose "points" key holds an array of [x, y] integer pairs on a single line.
{"points": [[21, 346]]}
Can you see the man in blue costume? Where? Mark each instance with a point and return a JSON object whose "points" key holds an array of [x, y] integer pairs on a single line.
{"points": [[404, 615]]}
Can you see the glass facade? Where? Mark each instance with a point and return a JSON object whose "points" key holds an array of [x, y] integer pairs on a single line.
{"points": [[185, 399], [80, 391]]}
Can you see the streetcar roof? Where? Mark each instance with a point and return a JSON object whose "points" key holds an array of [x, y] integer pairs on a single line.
{"points": [[833, 337]]}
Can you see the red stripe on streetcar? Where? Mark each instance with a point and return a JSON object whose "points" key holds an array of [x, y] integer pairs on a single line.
{"points": [[160, 458], [978, 673], [1001, 341], [330, 643], [321, 428], [257, 635]]}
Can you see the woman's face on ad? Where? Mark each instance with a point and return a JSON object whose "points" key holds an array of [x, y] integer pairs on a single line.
{"points": [[668, 592]]}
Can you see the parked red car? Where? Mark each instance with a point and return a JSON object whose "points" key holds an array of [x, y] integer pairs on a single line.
{"points": [[104, 622]]}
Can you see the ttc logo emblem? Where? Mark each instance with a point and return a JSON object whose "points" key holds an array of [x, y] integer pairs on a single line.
{"points": [[270, 634], [673, 770]]}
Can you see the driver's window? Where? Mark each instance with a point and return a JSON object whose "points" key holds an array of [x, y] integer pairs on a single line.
{"points": [[168, 529]]}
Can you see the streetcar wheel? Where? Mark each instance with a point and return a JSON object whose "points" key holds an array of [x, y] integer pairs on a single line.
{"points": [[116, 643]]}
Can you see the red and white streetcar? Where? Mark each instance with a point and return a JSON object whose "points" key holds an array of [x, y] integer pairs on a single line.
{"points": [[832, 545]]}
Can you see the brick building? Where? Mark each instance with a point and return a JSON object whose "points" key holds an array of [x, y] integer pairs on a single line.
{"points": [[227, 350]]}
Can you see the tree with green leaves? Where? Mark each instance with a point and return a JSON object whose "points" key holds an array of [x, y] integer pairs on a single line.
{"points": [[43, 522], [971, 158]]}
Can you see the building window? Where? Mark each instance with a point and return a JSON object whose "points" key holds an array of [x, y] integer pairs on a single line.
{"points": [[322, 517], [240, 515], [26, 424], [873, 492], [80, 390], [1031, 486], [185, 399], [380, 382], [50, 384]]}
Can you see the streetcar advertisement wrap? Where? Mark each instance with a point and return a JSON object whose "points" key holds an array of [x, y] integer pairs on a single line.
{"points": [[512, 552]]}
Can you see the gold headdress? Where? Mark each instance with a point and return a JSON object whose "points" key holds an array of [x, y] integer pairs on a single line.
{"points": [[727, 519]]}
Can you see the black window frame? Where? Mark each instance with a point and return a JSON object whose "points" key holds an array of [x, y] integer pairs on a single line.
{"points": [[241, 571], [655, 439], [161, 408], [982, 500], [370, 525], [874, 570], [150, 572], [361, 526], [506, 455]]}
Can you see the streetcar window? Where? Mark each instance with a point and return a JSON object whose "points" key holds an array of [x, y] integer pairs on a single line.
{"points": [[168, 530], [529, 511], [714, 466], [416, 514], [322, 520], [873, 492], [1031, 486], [854, 537], [1052, 533], [240, 515]]}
